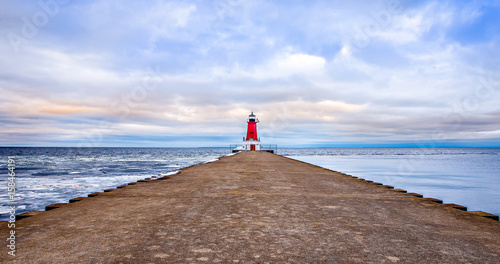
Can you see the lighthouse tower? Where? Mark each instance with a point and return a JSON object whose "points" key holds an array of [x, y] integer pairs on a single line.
{"points": [[251, 142]]}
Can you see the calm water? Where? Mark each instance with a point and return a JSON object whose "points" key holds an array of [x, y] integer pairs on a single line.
{"points": [[465, 176]]}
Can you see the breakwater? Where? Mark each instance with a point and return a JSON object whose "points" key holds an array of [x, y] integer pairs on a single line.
{"points": [[255, 207]]}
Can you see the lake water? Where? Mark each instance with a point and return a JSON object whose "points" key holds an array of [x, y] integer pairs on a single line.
{"points": [[54, 175], [466, 176]]}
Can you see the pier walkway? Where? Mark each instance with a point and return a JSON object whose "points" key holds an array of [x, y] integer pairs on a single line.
{"points": [[255, 208]]}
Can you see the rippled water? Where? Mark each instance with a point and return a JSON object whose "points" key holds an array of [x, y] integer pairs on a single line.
{"points": [[53, 175], [465, 176]]}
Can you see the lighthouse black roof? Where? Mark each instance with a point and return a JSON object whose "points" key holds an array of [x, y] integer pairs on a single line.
{"points": [[252, 118]]}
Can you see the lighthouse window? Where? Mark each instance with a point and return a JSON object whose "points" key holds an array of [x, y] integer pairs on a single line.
{"points": [[251, 119]]}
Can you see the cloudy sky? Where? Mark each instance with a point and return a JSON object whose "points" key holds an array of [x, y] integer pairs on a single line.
{"points": [[188, 73]]}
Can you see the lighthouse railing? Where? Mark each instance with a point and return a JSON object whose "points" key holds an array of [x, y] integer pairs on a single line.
{"points": [[273, 148]]}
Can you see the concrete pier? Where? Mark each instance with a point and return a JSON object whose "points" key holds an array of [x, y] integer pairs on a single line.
{"points": [[254, 208]]}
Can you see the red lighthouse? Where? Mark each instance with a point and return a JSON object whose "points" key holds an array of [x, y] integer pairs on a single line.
{"points": [[251, 142], [252, 127]]}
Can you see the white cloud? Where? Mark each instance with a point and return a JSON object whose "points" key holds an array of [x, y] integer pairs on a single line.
{"points": [[284, 61], [282, 65], [163, 16], [296, 64], [413, 24]]}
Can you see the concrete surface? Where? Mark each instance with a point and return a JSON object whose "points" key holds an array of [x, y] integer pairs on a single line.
{"points": [[255, 208]]}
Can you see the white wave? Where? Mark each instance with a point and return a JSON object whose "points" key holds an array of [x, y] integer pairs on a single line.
{"points": [[169, 173]]}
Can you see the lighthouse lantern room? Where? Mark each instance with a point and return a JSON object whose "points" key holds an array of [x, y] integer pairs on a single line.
{"points": [[251, 142]]}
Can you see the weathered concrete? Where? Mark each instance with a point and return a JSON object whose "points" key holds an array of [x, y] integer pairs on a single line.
{"points": [[253, 208]]}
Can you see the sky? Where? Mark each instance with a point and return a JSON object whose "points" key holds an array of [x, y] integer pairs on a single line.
{"points": [[381, 73]]}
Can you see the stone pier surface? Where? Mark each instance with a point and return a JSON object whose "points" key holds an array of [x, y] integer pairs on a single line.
{"points": [[254, 208]]}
